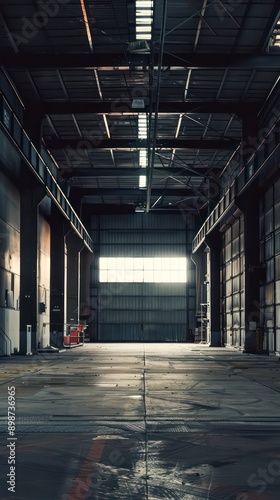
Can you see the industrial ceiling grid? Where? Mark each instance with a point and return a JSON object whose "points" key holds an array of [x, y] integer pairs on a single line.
{"points": [[180, 169]]}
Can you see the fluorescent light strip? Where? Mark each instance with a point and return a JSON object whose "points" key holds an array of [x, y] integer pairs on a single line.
{"points": [[106, 126], [178, 126], [144, 4], [143, 156], [142, 182], [276, 34], [144, 19], [143, 29], [143, 160], [86, 21]]}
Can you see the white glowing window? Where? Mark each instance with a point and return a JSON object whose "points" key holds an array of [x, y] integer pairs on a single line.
{"points": [[146, 269]]}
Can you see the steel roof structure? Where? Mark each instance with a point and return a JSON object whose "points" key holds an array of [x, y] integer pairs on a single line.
{"points": [[87, 72]]}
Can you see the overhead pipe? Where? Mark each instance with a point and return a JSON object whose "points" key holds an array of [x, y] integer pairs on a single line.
{"points": [[151, 155]]}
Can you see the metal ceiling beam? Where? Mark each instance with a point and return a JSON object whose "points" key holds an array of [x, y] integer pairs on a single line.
{"points": [[119, 107], [155, 80], [133, 172], [111, 62], [177, 192], [275, 14], [76, 146]]}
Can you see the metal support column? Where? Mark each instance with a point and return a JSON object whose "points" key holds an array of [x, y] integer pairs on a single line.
{"points": [[32, 124], [250, 129], [214, 242], [59, 227], [249, 204], [30, 200], [73, 246], [199, 259], [86, 259]]}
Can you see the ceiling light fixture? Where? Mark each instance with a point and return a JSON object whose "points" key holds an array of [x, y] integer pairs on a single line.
{"points": [[138, 104], [276, 34], [86, 21], [139, 47], [143, 155], [144, 19]]}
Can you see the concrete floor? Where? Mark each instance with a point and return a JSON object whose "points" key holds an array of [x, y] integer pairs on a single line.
{"points": [[143, 421]]}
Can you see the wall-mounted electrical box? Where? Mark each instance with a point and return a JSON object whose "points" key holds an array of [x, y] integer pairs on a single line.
{"points": [[42, 307]]}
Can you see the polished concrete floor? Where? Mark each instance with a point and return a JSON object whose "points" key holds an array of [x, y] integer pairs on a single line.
{"points": [[142, 421]]}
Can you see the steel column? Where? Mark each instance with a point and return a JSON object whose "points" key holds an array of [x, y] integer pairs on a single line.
{"points": [[249, 204], [73, 246], [30, 198], [214, 242], [57, 295]]}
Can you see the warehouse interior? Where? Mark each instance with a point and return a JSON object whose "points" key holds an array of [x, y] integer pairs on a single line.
{"points": [[138, 132], [140, 190]]}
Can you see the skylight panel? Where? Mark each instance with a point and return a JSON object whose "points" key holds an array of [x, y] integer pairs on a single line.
{"points": [[87, 25], [142, 181], [143, 155], [275, 39], [144, 19]]}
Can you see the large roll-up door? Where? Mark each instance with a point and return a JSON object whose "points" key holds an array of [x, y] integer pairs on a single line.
{"points": [[148, 311]]}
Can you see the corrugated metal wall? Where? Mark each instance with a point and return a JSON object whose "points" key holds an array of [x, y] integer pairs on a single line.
{"points": [[233, 284], [270, 255], [142, 311], [44, 263], [9, 265]]}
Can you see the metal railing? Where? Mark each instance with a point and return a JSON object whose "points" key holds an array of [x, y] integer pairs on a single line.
{"points": [[245, 177], [17, 135]]}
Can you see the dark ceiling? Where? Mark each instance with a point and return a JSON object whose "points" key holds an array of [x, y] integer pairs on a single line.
{"points": [[85, 79]]}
